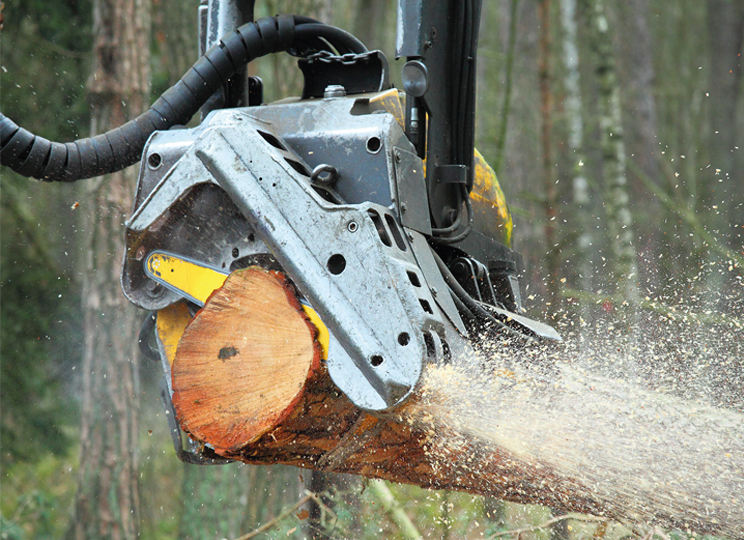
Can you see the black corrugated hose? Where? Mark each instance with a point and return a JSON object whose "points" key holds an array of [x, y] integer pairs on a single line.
{"points": [[33, 156]]}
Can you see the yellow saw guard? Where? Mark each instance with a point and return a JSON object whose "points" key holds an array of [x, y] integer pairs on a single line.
{"points": [[196, 282]]}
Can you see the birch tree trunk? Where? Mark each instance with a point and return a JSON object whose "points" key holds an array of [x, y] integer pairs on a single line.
{"points": [[583, 250], [624, 271], [107, 499]]}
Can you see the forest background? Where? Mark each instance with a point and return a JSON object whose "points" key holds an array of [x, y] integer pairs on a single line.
{"points": [[615, 129]]}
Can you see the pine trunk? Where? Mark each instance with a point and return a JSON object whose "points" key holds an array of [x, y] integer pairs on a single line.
{"points": [[107, 500]]}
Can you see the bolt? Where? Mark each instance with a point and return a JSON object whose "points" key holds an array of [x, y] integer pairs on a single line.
{"points": [[334, 90], [153, 289], [397, 157], [434, 292], [403, 208], [352, 226], [459, 268]]}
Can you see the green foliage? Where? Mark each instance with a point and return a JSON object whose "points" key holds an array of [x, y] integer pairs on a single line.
{"points": [[35, 498], [45, 51], [46, 47], [38, 317]]}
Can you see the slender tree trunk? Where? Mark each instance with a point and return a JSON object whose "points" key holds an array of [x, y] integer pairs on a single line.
{"points": [[721, 193], [369, 15], [638, 75], [107, 499], [214, 499], [175, 33], [583, 251], [725, 191], [552, 256], [726, 32], [616, 192], [637, 63], [508, 85]]}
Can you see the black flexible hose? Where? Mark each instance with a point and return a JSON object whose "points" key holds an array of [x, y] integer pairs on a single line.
{"points": [[441, 234], [34, 156]]}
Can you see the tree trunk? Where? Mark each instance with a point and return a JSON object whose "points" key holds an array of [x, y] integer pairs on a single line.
{"points": [[107, 500], [616, 193], [263, 396], [583, 251], [726, 34], [213, 502], [637, 64], [553, 252], [582, 444], [369, 15]]}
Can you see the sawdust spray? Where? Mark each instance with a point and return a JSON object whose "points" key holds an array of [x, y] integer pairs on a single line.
{"points": [[646, 450]]}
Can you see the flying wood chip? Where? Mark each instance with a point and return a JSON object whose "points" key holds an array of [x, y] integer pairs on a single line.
{"points": [[243, 361]]}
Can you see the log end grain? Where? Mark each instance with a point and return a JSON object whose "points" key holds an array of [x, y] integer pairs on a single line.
{"points": [[242, 363]]}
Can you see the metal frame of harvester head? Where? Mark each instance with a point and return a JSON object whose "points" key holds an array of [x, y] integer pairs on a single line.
{"points": [[372, 200]]}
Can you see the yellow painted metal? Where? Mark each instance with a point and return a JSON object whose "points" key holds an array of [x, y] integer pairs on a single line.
{"points": [[492, 212], [389, 101], [171, 324], [323, 336], [197, 282]]}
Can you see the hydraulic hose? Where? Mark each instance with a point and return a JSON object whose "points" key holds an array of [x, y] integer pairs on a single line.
{"points": [[34, 156], [473, 307]]}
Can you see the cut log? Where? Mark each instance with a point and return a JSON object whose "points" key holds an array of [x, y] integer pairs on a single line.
{"points": [[249, 381], [243, 361]]}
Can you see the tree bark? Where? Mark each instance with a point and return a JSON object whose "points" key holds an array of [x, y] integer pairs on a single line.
{"points": [[726, 35], [552, 248], [624, 276], [724, 192], [581, 218], [637, 63], [213, 502], [107, 500]]}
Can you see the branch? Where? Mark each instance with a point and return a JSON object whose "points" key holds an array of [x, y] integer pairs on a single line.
{"points": [[266, 526], [547, 524], [685, 213], [393, 508]]}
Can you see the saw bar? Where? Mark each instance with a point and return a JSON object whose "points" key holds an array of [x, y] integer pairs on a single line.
{"points": [[197, 281]]}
